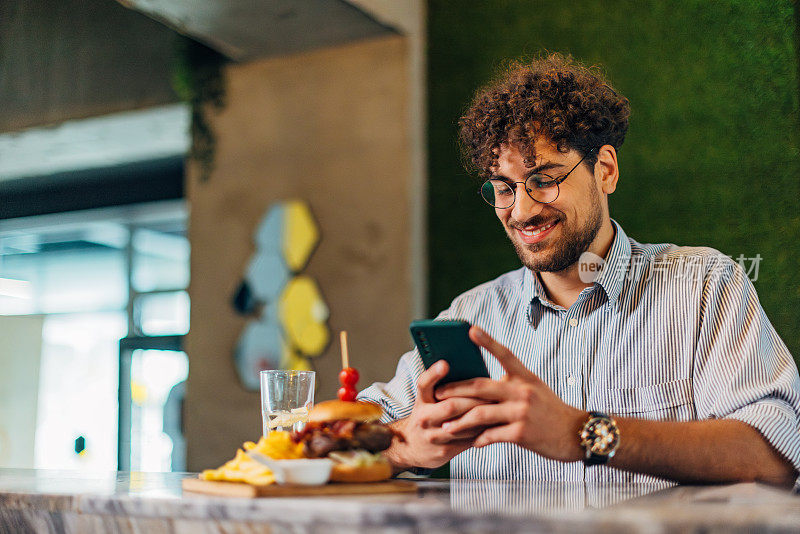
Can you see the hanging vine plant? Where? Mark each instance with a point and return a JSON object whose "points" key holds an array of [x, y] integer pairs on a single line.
{"points": [[198, 79]]}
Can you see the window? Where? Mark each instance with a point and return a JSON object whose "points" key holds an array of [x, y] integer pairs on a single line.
{"points": [[97, 277]]}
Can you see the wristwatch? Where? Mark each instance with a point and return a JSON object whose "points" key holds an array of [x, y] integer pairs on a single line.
{"points": [[600, 437]]}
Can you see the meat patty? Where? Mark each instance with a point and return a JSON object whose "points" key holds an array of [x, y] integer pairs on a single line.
{"points": [[373, 437], [319, 444], [322, 439]]}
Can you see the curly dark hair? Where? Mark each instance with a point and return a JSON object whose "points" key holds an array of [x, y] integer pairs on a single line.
{"points": [[553, 96]]}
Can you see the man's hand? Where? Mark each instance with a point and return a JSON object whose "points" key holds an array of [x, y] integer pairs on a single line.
{"points": [[521, 408], [424, 443]]}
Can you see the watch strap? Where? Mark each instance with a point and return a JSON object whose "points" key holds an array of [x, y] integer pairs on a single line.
{"points": [[594, 459]]}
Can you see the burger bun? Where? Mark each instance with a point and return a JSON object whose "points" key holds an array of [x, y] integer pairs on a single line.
{"points": [[333, 410], [369, 473]]}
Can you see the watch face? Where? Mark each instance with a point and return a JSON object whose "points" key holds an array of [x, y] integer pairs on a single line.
{"points": [[600, 436]]}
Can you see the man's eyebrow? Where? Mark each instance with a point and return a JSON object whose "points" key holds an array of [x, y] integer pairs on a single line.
{"points": [[545, 167], [539, 168]]}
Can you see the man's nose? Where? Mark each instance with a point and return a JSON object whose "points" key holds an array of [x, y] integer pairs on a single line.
{"points": [[524, 207]]}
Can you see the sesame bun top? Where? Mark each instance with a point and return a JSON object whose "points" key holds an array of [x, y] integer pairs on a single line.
{"points": [[332, 410]]}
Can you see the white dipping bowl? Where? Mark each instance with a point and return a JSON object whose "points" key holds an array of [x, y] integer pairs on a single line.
{"points": [[306, 471]]}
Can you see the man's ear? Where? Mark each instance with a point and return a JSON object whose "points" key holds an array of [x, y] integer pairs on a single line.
{"points": [[606, 170]]}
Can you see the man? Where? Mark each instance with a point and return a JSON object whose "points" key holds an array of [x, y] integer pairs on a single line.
{"points": [[662, 365]]}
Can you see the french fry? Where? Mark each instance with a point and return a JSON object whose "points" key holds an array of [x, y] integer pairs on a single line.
{"points": [[277, 445]]}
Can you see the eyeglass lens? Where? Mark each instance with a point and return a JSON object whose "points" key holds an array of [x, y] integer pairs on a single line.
{"points": [[502, 194]]}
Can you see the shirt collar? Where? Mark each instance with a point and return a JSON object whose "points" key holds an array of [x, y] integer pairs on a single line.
{"points": [[615, 268], [532, 287], [611, 276]]}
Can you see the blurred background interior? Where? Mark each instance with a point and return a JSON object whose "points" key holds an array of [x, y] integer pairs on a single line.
{"points": [[161, 160]]}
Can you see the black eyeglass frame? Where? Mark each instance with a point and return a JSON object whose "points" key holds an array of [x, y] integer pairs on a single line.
{"points": [[550, 183]]}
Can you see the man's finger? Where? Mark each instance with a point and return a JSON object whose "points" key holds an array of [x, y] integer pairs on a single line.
{"points": [[440, 437], [428, 380], [481, 416], [482, 388], [496, 434], [510, 363], [451, 409]]}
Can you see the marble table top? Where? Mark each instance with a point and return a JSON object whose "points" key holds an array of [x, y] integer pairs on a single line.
{"points": [[65, 501]]}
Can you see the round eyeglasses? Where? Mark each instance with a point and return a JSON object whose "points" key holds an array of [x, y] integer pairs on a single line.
{"points": [[502, 193]]}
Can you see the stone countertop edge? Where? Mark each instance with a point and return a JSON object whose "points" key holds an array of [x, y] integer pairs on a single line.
{"points": [[740, 506]]}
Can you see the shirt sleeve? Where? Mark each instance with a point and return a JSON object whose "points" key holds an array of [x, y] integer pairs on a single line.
{"points": [[397, 396], [742, 368]]}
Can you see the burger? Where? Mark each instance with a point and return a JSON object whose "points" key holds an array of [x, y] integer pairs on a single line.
{"points": [[349, 434]]}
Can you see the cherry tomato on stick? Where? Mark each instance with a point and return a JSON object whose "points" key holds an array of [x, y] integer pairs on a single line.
{"points": [[348, 377], [347, 394]]}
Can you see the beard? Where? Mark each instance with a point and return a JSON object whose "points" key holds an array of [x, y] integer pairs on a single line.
{"points": [[575, 239]]}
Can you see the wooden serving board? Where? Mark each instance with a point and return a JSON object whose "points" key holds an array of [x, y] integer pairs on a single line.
{"points": [[240, 489]]}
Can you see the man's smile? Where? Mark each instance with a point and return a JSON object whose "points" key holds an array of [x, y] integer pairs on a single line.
{"points": [[534, 234]]}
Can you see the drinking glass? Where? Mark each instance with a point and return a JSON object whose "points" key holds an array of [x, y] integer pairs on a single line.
{"points": [[286, 397]]}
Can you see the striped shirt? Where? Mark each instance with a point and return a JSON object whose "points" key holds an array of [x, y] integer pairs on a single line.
{"points": [[664, 333]]}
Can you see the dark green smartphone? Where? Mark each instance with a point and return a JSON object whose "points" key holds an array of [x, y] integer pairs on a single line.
{"points": [[449, 341]]}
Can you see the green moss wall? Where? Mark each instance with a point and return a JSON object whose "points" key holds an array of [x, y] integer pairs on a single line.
{"points": [[711, 156]]}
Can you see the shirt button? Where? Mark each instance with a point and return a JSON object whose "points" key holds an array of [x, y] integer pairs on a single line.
{"points": [[573, 322], [570, 380]]}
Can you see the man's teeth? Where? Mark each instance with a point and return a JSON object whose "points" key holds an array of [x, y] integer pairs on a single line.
{"points": [[531, 233]]}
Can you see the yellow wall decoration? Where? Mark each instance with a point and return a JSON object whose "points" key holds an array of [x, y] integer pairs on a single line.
{"points": [[289, 315], [303, 315], [300, 235]]}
